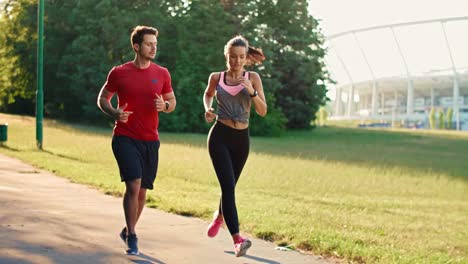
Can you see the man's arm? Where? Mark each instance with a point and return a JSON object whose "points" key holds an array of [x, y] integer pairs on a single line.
{"points": [[171, 102], [105, 105]]}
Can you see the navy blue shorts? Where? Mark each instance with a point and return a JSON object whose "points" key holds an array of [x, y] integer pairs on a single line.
{"points": [[137, 159]]}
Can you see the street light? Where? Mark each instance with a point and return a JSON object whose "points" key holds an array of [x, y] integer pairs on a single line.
{"points": [[40, 73]]}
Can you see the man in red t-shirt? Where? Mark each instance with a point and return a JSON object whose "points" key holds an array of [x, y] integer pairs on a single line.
{"points": [[143, 89]]}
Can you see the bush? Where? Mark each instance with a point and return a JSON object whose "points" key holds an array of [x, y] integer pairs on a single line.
{"points": [[273, 124], [441, 122], [448, 124], [432, 118], [322, 116]]}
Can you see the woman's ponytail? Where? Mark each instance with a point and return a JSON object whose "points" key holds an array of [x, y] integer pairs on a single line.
{"points": [[255, 56]]}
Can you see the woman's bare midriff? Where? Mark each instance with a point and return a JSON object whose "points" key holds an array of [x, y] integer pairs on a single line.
{"points": [[232, 124]]}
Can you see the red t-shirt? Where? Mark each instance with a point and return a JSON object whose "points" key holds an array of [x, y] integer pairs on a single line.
{"points": [[138, 87]]}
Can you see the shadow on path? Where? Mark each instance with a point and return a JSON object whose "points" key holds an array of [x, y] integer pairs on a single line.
{"points": [[255, 258], [147, 260]]}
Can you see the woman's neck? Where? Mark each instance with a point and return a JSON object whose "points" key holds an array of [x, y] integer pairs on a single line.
{"points": [[235, 74]]}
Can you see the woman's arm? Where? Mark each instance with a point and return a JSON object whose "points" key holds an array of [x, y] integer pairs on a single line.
{"points": [[208, 97], [256, 87]]}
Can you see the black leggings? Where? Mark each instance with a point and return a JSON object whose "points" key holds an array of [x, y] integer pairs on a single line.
{"points": [[229, 149]]}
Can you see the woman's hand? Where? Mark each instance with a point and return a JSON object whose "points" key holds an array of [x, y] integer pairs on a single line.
{"points": [[210, 116], [247, 84]]}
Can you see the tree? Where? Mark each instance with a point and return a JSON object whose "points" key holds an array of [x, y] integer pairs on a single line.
{"points": [[294, 44], [18, 53], [197, 55], [99, 41], [81, 47], [198, 52]]}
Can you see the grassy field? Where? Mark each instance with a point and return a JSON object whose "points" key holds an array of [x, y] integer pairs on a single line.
{"points": [[363, 196]]}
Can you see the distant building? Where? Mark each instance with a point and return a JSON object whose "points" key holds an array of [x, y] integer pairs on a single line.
{"points": [[404, 96]]}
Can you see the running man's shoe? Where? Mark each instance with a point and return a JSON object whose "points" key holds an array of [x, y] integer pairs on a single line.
{"points": [[132, 245], [213, 228], [123, 235], [242, 246]]}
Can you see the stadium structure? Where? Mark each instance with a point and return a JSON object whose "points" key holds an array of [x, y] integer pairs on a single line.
{"points": [[407, 69]]}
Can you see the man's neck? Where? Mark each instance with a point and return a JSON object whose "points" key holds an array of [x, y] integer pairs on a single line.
{"points": [[141, 63]]}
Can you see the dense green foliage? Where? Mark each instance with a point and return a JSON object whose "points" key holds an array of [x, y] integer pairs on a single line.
{"points": [[85, 39]]}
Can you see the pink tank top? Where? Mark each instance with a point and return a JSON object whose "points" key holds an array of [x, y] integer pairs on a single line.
{"points": [[233, 101]]}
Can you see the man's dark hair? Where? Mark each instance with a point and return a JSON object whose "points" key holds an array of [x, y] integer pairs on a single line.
{"points": [[139, 32]]}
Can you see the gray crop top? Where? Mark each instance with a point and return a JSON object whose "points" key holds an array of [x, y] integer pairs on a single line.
{"points": [[233, 100]]}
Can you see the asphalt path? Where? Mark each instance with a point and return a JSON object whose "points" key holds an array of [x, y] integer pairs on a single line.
{"points": [[47, 219]]}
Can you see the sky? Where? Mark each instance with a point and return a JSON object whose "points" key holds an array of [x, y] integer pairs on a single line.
{"points": [[342, 15], [423, 46]]}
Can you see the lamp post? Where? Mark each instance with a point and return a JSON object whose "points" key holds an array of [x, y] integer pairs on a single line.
{"points": [[40, 73]]}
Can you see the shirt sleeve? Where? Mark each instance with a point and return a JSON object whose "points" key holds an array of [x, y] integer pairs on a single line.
{"points": [[111, 82], [167, 88]]}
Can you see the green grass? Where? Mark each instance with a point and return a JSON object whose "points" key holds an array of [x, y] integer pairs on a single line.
{"points": [[364, 196]]}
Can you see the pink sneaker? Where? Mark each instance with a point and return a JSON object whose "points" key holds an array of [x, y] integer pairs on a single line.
{"points": [[242, 246], [213, 228]]}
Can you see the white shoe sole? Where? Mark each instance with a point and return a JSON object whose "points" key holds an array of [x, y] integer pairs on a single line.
{"points": [[132, 253], [245, 246]]}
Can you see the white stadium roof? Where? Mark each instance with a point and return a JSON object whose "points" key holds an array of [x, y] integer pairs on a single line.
{"points": [[401, 64]]}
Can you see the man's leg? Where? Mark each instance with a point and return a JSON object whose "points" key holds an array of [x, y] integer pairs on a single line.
{"points": [[150, 168], [131, 204], [141, 202]]}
